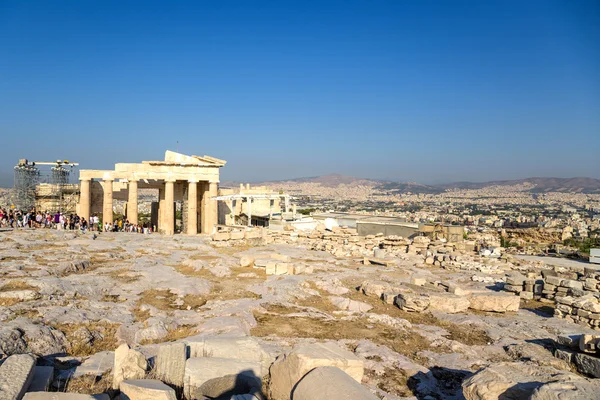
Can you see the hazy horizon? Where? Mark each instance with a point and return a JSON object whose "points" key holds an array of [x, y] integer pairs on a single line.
{"points": [[429, 92]]}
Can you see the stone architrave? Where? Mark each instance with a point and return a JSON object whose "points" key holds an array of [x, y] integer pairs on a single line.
{"points": [[167, 176]]}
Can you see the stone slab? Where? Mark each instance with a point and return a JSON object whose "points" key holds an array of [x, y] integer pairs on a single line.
{"points": [[146, 389], [42, 378], [288, 369], [202, 369], [16, 374], [64, 396], [326, 383], [170, 363]]}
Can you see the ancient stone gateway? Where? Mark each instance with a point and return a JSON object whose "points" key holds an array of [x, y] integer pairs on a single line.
{"points": [[193, 179]]}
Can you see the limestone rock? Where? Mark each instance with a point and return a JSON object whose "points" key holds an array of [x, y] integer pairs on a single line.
{"points": [[448, 303], [412, 302], [170, 363], [494, 302], [577, 390], [146, 389], [511, 381], [288, 369], [16, 374], [344, 303], [23, 336], [377, 288], [587, 364], [129, 364], [536, 354], [21, 295], [326, 383]]}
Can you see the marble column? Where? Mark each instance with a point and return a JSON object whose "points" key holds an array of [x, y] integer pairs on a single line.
{"points": [[85, 199], [204, 208], [169, 215], [192, 211], [107, 206], [212, 205], [132, 202]]}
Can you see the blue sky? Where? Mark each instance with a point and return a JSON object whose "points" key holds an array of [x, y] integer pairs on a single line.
{"points": [[427, 91]]}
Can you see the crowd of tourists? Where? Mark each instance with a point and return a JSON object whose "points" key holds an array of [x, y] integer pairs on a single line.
{"points": [[37, 219]]}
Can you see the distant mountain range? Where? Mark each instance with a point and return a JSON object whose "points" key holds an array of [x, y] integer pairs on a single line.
{"points": [[542, 185]]}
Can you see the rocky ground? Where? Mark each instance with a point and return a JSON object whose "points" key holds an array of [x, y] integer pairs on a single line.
{"points": [[70, 299]]}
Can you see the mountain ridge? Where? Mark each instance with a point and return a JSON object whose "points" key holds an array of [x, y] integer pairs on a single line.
{"points": [[542, 184]]}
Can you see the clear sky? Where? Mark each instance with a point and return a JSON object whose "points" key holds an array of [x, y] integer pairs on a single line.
{"points": [[426, 91]]}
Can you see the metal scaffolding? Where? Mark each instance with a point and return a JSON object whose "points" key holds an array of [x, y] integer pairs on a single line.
{"points": [[26, 178], [47, 190]]}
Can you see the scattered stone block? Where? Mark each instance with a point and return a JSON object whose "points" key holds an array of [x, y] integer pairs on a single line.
{"points": [[389, 297], [344, 303], [237, 235], [271, 268], [418, 280], [574, 390], [326, 383], [16, 374], [564, 355], [587, 364], [229, 385], [553, 280], [412, 302], [170, 363], [202, 369], [281, 257], [42, 378], [146, 389], [244, 348], [288, 369], [96, 364], [448, 303], [129, 364], [510, 381], [378, 261], [221, 236], [494, 302], [526, 295], [246, 261], [64, 396], [573, 284], [282, 268]]}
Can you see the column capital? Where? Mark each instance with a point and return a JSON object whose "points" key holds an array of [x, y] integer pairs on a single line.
{"points": [[192, 181], [85, 179], [108, 180], [170, 180]]}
